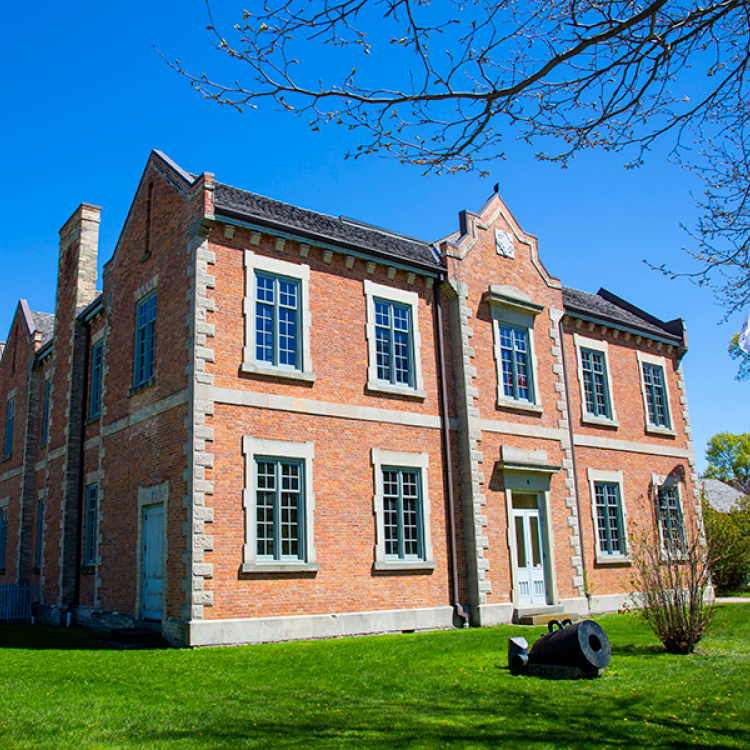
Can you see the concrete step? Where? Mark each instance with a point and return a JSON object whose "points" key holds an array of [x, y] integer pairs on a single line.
{"points": [[542, 618]]}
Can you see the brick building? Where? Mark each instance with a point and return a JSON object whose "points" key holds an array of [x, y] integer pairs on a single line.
{"points": [[273, 423]]}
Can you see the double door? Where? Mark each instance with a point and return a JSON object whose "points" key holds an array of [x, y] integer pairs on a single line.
{"points": [[530, 562]]}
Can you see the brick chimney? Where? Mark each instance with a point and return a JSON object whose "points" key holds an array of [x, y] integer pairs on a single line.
{"points": [[76, 288], [79, 249]]}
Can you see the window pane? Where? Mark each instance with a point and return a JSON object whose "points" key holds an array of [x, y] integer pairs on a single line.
{"points": [[609, 518], [656, 397], [520, 542], [515, 363], [276, 321], [266, 486], [145, 340], [9, 421], [390, 512], [279, 509], [402, 509], [410, 508], [536, 547], [393, 343]]}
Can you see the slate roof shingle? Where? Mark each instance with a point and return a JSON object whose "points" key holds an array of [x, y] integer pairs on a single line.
{"points": [[44, 323], [720, 496], [608, 307], [337, 230]]}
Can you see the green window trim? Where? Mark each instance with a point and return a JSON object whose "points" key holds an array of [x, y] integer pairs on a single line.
{"points": [[145, 340], [90, 526], [97, 357], [10, 416]]}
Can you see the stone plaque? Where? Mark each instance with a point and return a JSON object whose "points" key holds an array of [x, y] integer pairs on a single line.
{"points": [[504, 243]]}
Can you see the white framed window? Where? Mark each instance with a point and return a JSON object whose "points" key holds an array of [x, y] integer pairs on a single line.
{"points": [[656, 408], [670, 516], [513, 314], [145, 341], [279, 505], [597, 404], [393, 341], [90, 524], [609, 516], [277, 318], [401, 504]]}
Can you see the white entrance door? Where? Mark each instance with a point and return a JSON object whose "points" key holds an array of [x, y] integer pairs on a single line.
{"points": [[530, 563], [153, 549]]}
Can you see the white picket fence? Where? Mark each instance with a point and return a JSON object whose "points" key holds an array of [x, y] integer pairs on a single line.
{"points": [[16, 600]]}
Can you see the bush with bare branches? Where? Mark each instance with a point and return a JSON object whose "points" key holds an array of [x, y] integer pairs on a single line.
{"points": [[673, 585]]}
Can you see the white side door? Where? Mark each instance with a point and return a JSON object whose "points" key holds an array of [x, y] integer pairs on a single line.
{"points": [[153, 550], [530, 563]]}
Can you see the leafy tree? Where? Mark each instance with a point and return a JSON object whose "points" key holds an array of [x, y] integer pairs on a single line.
{"points": [[442, 84], [728, 459], [728, 540]]}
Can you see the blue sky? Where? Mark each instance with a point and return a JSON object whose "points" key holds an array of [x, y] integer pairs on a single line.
{"points": [[86, 97]]}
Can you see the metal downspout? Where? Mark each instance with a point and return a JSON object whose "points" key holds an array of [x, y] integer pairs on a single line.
{"points": [[573, 458], [458, 608]]}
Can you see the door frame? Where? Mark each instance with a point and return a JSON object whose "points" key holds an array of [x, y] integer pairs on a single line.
{"points": [[154, 495], [536, 482], [525, 513]]}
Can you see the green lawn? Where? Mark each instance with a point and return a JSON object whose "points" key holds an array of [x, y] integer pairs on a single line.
{"points": [[431, 690]]}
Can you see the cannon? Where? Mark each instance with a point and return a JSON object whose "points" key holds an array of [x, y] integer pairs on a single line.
{"points": [[567, 651], [584, 645]]}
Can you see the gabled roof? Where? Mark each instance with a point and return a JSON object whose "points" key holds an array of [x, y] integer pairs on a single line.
{"points": [[719, 495], [341, 231], [615, 311]]}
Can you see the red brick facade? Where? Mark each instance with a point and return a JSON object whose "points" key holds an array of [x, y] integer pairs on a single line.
{"points": [[208, 464]]}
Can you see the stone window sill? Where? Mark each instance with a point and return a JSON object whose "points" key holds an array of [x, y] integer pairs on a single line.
{"points": [[384, 566], [594, 421], [250, 368], [520, 406], [602, 559], [136, 389], [663, 431], [395, 390], [280, 567]]}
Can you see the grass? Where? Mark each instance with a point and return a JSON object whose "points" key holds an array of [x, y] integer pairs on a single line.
{"points": [[432, 690]]}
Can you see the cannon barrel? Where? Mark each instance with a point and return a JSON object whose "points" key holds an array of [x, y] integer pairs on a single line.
{"points": [[584, 645]]}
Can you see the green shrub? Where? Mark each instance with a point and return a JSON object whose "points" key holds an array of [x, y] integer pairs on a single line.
{"points": [[728, 538]]}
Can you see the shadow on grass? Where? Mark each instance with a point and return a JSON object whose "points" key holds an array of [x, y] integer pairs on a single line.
{"points": [[631, 649], [24, 635], [537, 724]]}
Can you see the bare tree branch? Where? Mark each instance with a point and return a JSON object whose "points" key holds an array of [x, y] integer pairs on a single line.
{"points": [[440, 85]]}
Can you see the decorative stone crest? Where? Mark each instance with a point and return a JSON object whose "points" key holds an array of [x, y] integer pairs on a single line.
{"points": [[504, 243]]}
